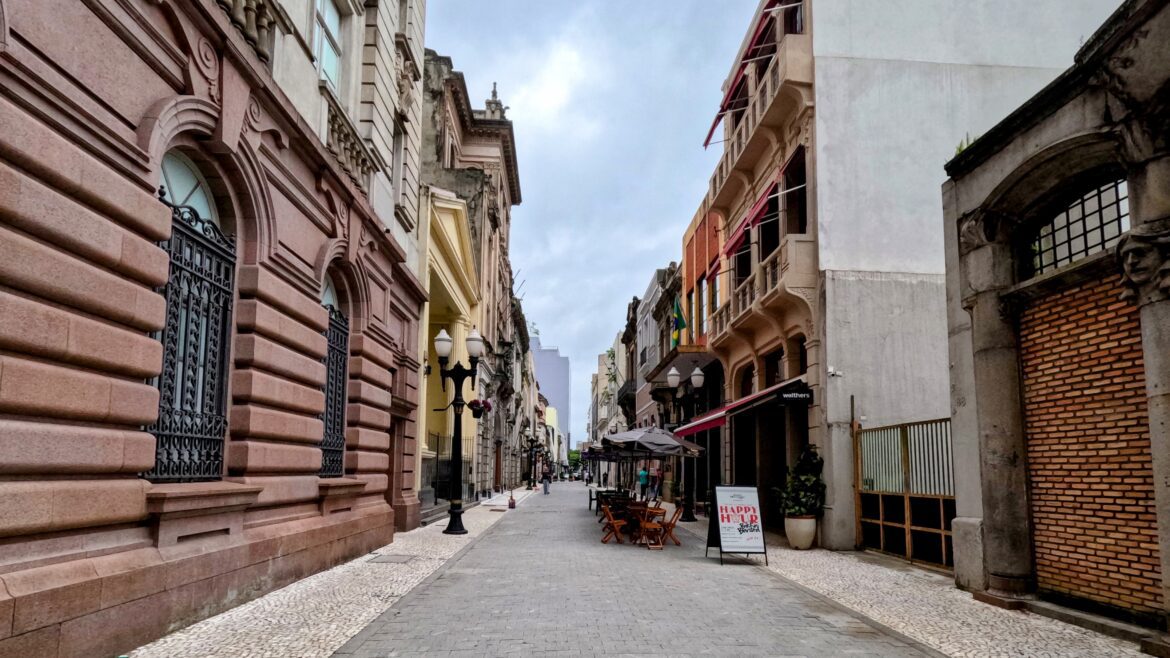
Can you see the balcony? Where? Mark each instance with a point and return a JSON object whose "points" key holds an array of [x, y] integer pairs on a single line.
{"points": [[792, 266], [785, 280], [346, 144], [790, 71], [255, 19]]}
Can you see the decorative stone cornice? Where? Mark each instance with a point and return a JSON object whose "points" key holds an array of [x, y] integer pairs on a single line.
{"points": [[1144, 258]]}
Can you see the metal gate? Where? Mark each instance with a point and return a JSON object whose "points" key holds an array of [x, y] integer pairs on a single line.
{"points": [[905, 490]]}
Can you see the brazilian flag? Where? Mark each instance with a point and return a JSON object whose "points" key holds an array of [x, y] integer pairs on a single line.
{"points": [[678, 323]]}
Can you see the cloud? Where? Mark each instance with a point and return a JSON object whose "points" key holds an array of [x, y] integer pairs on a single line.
{"points": [[610, 101], [547, 104]]}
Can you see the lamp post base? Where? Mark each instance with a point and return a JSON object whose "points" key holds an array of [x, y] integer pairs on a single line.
{"points": [[688, 513], [455, 525]]}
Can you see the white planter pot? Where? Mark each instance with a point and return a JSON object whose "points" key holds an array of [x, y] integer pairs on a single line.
{"points": [[801, 531]]}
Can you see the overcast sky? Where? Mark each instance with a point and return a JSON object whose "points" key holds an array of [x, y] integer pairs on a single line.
{"points": [[611, 100]]}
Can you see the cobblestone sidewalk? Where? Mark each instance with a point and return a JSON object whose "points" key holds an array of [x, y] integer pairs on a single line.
{"points": [[315, 616], [927, 607]]}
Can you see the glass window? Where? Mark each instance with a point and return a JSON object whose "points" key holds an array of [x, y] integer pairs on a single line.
{"points": [[183, 185], [1091, 224], [398, 155], [713, 287], [701, 311], [336, 384], [690, 319], [192, 421], [329, 41]]}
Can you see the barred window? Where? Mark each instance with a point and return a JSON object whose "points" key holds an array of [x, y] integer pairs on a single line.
{"points": [[199, 293], [336, 384], [1090, 224]]}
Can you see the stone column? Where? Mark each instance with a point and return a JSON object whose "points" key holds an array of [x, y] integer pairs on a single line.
{"points": [[1144, 256], [987, 270]]}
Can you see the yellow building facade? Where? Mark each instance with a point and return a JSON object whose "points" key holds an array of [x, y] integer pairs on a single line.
{"points": [[453, 304]]}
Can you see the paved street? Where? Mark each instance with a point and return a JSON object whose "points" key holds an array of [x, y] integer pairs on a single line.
{"points": [[540, 581]]}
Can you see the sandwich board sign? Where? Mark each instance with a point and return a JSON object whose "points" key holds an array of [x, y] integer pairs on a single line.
{"points": [[736, 523]]}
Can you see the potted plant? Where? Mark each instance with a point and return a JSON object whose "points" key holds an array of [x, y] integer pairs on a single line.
{"points": [[479, 407], [804, 496]]}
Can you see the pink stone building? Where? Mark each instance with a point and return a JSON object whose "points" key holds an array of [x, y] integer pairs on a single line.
{"points": [[208, 325]]}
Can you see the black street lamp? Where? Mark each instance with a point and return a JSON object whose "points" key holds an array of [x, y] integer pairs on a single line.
{"points": [[672, 379], [457, 374]]}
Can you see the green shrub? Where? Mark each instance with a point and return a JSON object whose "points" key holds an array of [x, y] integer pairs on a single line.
{"points": [[804, 492]]}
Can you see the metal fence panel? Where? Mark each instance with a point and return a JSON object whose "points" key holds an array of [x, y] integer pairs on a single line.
{"points": [[881, 459], [931, 470]]}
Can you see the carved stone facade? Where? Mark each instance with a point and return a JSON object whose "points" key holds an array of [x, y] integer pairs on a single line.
{"points": [[471, 154], [1087, 155], [149, 131]]}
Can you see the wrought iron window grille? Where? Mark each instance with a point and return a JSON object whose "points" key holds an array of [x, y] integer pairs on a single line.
{"points": [[1090, 224], [200, 289], [336, 383]]}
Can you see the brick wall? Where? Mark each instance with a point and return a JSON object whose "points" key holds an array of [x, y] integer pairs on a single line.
{"points": [[1089, 465]]}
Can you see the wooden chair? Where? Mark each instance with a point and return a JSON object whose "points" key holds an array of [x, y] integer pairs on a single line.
{"points": [[612, 527], [650, 532], [668, 526]]}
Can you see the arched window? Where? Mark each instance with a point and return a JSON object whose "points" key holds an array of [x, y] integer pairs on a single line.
{"points": [[1093, 222], [336, 383], [747, 381], [200, 289]]}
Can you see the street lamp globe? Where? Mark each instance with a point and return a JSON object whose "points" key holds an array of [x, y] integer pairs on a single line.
{"points": [[474, 344], [672, 377], [697, 378], [443, 344]]}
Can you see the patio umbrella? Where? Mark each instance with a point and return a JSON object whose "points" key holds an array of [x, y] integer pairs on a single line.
{"points": [[654, 440]]}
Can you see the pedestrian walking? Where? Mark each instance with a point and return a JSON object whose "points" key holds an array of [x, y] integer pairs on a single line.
{"points": [[605, 479], [643, 481], [655, 482], [546, 478]]}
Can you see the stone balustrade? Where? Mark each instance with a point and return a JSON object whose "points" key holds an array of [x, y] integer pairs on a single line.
{"points": [[255, 19], [347, 145], [745, 295]]}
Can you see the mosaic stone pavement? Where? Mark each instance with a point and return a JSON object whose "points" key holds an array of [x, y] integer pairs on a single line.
{"points": [[314, 616], [926, 606], [541, 583], [320, 614]]}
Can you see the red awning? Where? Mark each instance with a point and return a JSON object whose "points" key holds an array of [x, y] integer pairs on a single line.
{"points": [[718, 417], [760, 27], [705, 422], [731, 91], [750, 220], [745, 403]]}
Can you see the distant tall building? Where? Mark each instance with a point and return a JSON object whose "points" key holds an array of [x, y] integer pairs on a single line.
{"points": [[552, 371]]}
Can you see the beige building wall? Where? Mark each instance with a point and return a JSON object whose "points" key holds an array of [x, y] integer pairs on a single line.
{"points": [[370, 115]]}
